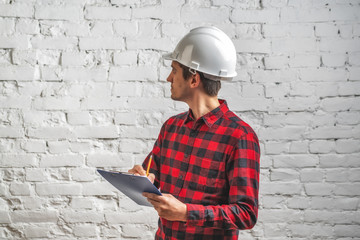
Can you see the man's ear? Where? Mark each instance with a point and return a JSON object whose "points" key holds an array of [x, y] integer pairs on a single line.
{"points": [[195, 80]]}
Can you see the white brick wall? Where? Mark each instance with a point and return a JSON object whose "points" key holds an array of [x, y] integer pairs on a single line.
{"points": [[83, 85]]}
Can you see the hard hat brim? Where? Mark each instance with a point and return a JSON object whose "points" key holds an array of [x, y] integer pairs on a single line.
{"points": [[170, 56], [167, 56]]}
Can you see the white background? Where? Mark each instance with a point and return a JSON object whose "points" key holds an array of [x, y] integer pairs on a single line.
{"points": [[83, 85]]}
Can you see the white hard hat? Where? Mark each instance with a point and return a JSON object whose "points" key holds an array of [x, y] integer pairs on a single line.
{"points": [[208, 50]]}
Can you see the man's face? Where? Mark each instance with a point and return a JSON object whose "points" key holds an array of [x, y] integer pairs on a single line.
{"points": [[180, 89]]}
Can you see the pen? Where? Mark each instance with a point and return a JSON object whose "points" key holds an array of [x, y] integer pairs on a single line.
{"points": [[148, 167]]}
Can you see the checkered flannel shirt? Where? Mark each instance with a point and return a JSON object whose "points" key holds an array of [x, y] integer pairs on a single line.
{"points": [[211, 165]]}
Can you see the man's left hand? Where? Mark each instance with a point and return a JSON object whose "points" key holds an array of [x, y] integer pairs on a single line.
{"points": [[167, 206]]}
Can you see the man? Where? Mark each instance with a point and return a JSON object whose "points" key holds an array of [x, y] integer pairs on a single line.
{"points": [[206, 160]]}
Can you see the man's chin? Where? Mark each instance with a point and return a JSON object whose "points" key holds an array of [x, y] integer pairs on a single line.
{"points": [[174, 98]]}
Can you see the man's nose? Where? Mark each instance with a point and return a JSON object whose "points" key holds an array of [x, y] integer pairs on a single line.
{"points": [[169, 78]]}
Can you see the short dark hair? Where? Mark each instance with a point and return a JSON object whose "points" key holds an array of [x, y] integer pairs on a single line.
{"points": [[211, 87]]}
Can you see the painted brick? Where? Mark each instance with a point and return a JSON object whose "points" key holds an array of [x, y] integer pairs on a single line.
{"points": [[51, 189], [106, 160], [34, 146], [281, 188], [295, 15], [21, 73], [85, 230], [346, 230], [18, 160], [73, 59], [78, 118], [304, 60], [284, 175], [28, 26], [125, 28], [60, 43], [51, 103], [136, 73], [99, 189], [313, 231], [319, 189], [298, 45], [62, 161], [81, 203], [256, 46], [82, 174], [281, 133], [295, 161], [34, 216], [312, 175], [70, 13], [255, 16], [160, 44], [340, 45], [101, 43], [11, 132], [16, 10], [37, 231], [7, 26], [125, 89], [105, 103], [70, 216], [347, 189], [97, 132], [126, 118], [105, 13], [325, 203], [20, 189], [347, 146], [199, 14], [49, 133], [170, 14], [125, 58], [83, 86], [4, 217], [35, 175], [321, 146], [80, 74], [334, 60]]}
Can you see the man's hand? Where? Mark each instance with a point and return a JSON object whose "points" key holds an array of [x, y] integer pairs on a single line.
{"points": [[167, 206], [140, 171]]}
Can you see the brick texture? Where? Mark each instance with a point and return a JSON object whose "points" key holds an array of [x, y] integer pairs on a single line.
{"points": [[83, 86]]}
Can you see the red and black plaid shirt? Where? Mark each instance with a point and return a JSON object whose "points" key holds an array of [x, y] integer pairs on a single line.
{"points": [[211, 165]]}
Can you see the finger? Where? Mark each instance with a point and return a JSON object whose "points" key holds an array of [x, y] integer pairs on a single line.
{"points": [[151, 177], [137, 170], [154, 203], [148, 195], [140, 170], [153, 197]]}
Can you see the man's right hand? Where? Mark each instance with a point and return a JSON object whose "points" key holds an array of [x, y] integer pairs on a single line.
{"points": [[140, 171]]}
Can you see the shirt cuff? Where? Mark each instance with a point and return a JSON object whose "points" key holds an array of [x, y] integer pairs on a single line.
{"points": [[195, 214]]}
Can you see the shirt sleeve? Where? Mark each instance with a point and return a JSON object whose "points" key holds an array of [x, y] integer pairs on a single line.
{"points": [[243, 176], [155, 163]]}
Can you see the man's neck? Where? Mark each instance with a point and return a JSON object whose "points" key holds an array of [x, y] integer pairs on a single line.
{"points": [[202, 105]]}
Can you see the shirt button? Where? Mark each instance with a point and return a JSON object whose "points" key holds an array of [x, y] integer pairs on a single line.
{"points": [[192, 134]]}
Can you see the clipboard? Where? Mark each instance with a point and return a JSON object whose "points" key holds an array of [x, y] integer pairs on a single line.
{"points": [[131, 185]]}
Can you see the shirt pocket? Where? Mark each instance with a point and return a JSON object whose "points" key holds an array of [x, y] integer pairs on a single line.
{"points": [[205, 175]]}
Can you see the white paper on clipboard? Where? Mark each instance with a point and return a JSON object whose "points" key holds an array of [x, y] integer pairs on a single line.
{"points": [[131, 185]]}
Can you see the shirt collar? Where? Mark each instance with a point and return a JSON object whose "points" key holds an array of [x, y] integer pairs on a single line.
{"points": [[211, 117]]}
